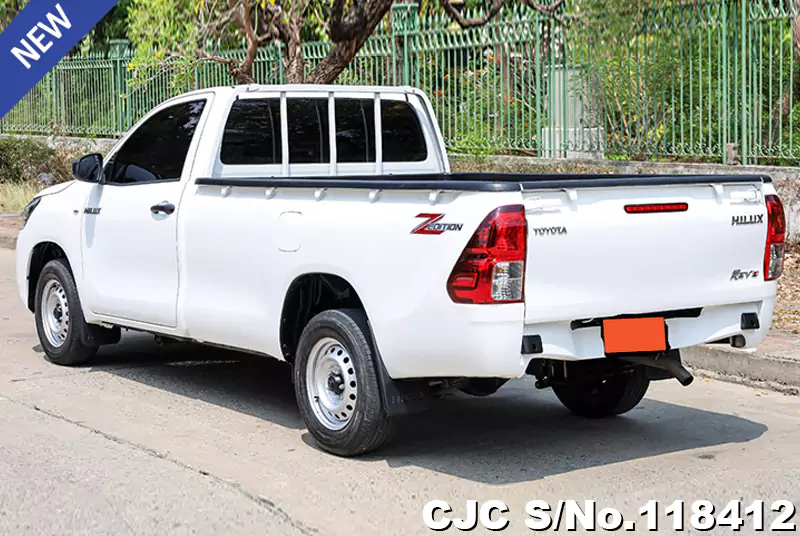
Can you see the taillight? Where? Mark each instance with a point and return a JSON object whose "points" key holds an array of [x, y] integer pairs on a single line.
{"points": [[491, 268], [776, 236]]}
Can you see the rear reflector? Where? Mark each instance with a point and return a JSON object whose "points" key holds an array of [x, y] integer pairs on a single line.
{"points": [[660, 207]]}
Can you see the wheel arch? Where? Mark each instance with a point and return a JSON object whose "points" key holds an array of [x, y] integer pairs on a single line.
{"points": [[308, 295], [42, 253]]}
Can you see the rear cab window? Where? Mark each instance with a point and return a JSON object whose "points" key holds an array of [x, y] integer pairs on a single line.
{"points": [[334, 133], [253, 138], [252, 134], [308, 125]]}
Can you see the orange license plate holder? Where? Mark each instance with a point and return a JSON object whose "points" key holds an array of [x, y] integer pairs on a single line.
{"points": [[634, 335]]}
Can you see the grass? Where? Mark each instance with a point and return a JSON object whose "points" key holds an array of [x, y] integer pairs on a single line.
{"points": [[14, 197]]}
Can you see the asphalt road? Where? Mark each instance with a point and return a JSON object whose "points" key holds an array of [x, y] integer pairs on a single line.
{"points": [[187, 440]]}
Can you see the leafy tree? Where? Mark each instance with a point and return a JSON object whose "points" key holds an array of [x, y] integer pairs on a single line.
{"points": [[182, 33], [113, 26]]}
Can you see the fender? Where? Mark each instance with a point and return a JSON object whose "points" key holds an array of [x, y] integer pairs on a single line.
{"points": [[400, 397]]}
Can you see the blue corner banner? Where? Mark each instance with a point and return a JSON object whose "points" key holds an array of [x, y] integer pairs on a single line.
{"points": [[38, 38]]}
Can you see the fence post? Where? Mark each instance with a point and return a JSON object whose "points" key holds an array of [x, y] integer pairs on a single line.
{"points": [[724, 82], [56, 109], [743, 131], [119, 56]]}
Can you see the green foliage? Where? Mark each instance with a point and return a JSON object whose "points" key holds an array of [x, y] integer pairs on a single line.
{"points": [[24, 159], [163, 33], [113, 26], [173, 38]]}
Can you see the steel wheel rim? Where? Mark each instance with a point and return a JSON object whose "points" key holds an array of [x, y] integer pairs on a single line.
{"points": [[55, 313], [331, 383]]}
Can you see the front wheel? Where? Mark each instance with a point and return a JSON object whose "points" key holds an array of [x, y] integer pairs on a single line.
{"points": [[605, 397], [59, 318], [336, 383]]}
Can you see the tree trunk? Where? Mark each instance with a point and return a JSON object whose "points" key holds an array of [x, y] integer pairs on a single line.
{"points": [[242, 76], [293, 54], [334, 63], [293, 63]]}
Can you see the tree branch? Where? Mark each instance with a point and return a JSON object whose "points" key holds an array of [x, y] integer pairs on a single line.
{"points": [[459, 19], [203, 55], [547, 9], [344, 26], [494, 9]]}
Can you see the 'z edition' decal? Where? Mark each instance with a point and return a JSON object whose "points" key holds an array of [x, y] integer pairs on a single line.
{"points": [[431, 225]]}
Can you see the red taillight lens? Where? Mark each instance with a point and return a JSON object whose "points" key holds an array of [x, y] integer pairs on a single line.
{"points": [[776, 237], [491, 268]]}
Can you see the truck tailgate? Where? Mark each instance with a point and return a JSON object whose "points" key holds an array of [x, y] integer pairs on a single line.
{"points": [[589, 257]]}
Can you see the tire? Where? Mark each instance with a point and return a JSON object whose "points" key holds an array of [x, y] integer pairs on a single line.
{"points": [[606, 398], [59, 317], [336, 384]]}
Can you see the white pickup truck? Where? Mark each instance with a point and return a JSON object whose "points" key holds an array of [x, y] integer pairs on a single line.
{"points": [[321, 225]]}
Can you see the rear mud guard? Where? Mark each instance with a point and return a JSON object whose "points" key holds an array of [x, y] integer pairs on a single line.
{"points": [[402, 397]]}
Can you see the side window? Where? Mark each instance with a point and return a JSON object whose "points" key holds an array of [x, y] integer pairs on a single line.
{"points": [[403, 140], [308, 131], [253, 133], [355, 130], [157, 149]]}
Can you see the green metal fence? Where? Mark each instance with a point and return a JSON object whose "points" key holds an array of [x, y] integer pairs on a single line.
{"points": [[697, 80]]}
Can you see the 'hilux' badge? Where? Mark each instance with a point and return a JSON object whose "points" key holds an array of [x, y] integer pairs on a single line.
{"points": [[751, 219]]}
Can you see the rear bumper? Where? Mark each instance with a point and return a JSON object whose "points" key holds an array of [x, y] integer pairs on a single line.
{"points": [[480, 341], [562, 342]]}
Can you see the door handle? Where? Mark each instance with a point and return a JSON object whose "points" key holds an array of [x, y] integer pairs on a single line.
{"points": [[165, 207]]}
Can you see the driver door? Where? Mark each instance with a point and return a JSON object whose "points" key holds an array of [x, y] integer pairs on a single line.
{"points": [[129, 231]]}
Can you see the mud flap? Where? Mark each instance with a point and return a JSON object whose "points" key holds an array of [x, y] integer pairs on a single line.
{"points": [[99, 336], [402, 397]]}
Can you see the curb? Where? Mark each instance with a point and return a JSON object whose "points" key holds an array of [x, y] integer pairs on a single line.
{"points": [[748, 367]]}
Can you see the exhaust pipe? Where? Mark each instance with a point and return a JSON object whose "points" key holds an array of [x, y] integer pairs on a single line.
{"points": [[669, 362]]}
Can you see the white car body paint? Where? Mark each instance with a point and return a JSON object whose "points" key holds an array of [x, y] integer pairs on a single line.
{"points": [[218, 269]]}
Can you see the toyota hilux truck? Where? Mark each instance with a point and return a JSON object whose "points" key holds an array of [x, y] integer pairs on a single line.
{"points": [[321, 225]]}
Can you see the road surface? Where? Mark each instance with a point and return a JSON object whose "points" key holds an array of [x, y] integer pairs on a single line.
{"points": [[183, 439]]}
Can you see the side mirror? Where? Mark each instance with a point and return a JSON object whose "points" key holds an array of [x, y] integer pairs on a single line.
{"points": [[88, 168]]}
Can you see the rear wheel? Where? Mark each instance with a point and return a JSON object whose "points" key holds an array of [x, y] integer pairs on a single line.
{"points": [[605, 397], [59, 318], [336, 383]]}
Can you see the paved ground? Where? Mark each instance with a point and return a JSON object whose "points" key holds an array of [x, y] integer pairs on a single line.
{"points": [[182, 440]]}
